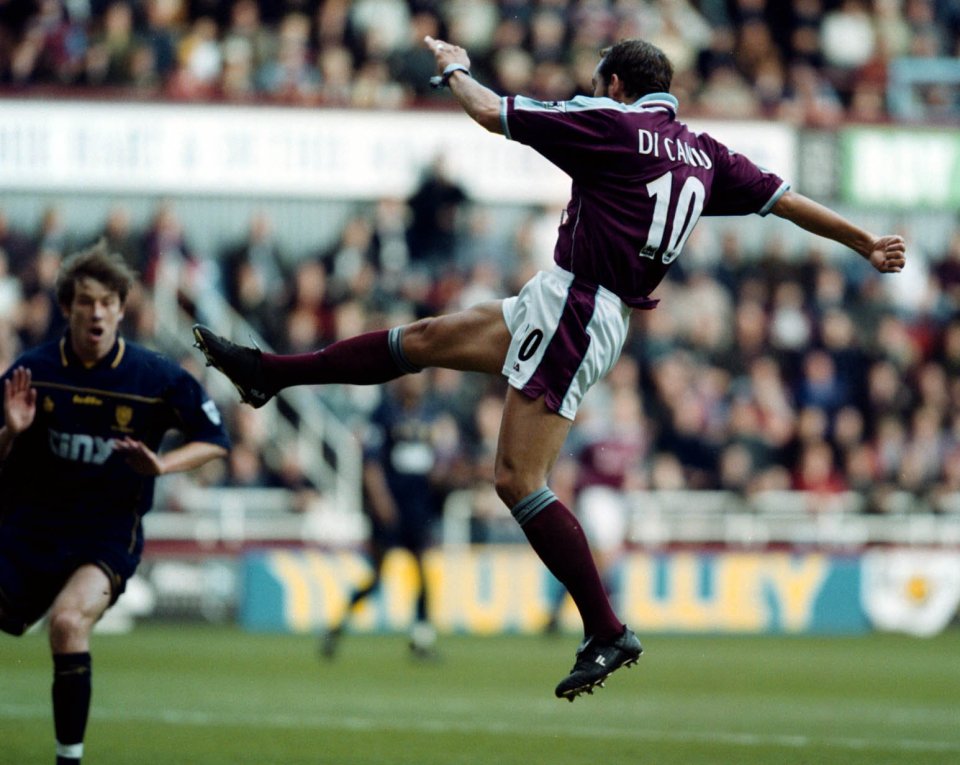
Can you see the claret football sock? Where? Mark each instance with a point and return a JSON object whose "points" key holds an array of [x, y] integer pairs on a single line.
{"points": [[71, 704], [557, 537], [368, 359]]}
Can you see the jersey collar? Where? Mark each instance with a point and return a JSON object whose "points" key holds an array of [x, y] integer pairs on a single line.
{"points": [[663, 101], [68, 358]]}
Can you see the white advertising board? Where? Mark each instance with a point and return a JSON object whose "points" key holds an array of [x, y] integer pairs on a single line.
{"points": [[269, 151]]}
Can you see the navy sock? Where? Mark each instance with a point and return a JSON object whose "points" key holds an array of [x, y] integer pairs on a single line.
{"points": [[71, 693]]}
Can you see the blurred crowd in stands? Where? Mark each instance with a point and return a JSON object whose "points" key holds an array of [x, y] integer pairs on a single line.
{"points": [[767, 367], [812, 62]]}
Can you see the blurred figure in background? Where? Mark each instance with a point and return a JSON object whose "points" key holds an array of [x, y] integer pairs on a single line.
{"points": [[436, 218], [400, 457]]}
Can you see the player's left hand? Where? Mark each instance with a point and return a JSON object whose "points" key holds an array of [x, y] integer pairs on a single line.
{"points": [[139, 456], [446, 54], [888, 254]]}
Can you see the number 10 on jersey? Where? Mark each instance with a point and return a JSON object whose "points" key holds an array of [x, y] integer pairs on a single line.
{"points": [[686, 213]]}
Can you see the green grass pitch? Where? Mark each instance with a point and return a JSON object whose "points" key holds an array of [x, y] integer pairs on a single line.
{"points": [[200, 695]]}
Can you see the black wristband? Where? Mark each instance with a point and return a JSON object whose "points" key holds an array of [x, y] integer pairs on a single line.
{"points": [[443, 80]]}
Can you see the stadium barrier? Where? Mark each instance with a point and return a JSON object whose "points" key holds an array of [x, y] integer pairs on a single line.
{"points": [[495, 589], [695, 562]]}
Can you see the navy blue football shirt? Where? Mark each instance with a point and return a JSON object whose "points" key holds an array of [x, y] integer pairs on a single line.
{"points": [[63, 471]]}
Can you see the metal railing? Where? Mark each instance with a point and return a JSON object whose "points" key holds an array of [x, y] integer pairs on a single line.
{"points": [[326, 448], [789, 518]]}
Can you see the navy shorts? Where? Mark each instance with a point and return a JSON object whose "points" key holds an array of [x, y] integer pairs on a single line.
{"points": [[35, 564]]}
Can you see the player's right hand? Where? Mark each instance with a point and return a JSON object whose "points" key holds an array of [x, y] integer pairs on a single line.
{"points": [[889, 254], [19, 401], [446, 53], [139, 456]]}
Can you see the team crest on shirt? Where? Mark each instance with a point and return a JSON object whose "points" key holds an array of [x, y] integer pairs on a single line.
{"points": [[47, 404], [124, 414]]}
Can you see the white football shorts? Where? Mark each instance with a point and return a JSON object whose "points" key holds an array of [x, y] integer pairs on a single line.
{"points": [[567, 334]]}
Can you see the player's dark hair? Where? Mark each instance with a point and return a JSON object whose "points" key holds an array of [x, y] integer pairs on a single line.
{"points": [[642, 68], [96, 262]]}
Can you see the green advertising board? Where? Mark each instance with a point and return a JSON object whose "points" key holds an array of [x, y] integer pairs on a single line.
{"points": [[896, 168]]}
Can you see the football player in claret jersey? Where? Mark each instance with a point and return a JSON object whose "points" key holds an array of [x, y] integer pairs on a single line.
{"points": [[641, 180], [83, 419]]}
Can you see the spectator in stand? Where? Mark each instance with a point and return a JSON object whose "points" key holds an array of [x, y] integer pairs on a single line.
{"points": [[163, 27], [817, 473], [290, 77], [167, 255], [335, 65], [373, 87], [111, 49], [52, 233], [41, 319], [436, 217], [949, 350], [121, 236], [820, 385], [849, 39], [16, 244], [246, 29], [926, 445], [352, 260], [256, 257], [410, 64], [308, 319], [381, 26], [848, 430], [947, 268], [726, 93], [245, 468], [10, 291], [199, 63]]}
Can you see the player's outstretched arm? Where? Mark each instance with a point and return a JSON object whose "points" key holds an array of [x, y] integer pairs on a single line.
{"points": [[887, 254], [19, 408], [478, 101], [147, 462]]}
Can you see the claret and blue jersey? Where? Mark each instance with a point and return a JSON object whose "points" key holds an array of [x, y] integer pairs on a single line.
{"points": [[641, 180], [62, 471]]}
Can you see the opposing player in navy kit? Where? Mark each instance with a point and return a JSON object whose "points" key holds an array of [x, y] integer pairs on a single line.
{"points": [[83, 418], [399, 463], [641, 179]]}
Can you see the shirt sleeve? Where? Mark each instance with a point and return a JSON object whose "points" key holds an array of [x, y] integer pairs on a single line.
{"points": [[740, 187], [199, 417], [571, 134]]}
